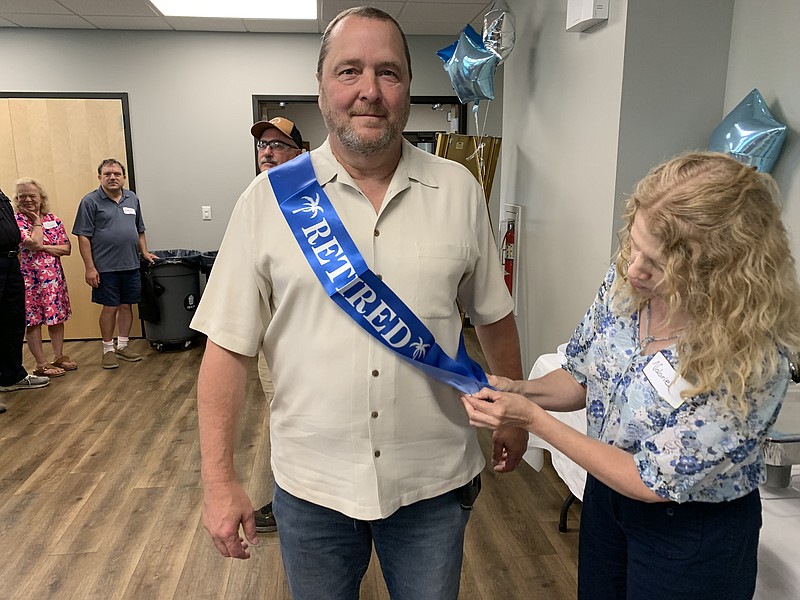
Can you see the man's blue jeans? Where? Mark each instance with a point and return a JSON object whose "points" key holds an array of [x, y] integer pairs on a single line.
{"points": [[325, 553]]}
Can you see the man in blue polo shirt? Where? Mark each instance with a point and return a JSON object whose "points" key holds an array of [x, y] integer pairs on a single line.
{"points": [[110, 231]]}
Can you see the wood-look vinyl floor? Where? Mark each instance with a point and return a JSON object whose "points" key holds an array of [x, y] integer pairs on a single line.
{"points": [[100, 497]]}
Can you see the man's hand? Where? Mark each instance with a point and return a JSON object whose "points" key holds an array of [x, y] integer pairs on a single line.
{"points": [[509, 446], [149, 257], [92, 277], [226, 507]]}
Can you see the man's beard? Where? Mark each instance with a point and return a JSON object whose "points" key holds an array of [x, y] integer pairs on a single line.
{"points": [[344, 132]]}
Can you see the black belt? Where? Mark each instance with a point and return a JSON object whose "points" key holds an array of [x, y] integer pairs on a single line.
{"points": [[9, 253]]}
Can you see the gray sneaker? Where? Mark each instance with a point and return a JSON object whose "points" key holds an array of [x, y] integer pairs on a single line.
{"points": [[110, 360], [127, 354], [27, 383]]}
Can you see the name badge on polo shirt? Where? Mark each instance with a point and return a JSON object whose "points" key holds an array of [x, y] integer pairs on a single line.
{"points": [[665, 379], [128, 210], [49, 224]]}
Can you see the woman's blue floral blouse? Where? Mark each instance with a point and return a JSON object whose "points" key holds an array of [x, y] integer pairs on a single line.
{"points": [[698, 452]]}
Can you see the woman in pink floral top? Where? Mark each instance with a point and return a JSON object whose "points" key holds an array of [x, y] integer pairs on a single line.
{"points": [[44, 242]]}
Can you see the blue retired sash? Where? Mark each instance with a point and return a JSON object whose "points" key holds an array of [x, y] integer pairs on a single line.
{"points": [[340, 268]]}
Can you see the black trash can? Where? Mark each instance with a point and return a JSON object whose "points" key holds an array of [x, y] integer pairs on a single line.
{"points": [[170, 294], [207, 261]]}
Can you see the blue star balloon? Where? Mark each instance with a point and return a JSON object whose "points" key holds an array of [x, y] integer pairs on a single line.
{"points": [[471, 66], [750, 134]]}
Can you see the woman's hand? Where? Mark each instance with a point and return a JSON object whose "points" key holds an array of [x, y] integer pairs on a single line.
{"points": [[495, 410], [58, 251], [504, 384], [33, 215]]}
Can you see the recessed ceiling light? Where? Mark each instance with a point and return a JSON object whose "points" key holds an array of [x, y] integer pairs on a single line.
{"points": [[238, 9]]}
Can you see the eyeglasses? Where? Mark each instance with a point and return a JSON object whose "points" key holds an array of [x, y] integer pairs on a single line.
{"points": [[118, 175], [275, 145]]}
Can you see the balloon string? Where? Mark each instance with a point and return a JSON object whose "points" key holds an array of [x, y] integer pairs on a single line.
{"points": [[479, 148], [485, 116], [480, 131]]}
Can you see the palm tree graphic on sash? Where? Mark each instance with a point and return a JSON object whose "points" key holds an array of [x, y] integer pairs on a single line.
{"points": [[311, 205], [419, 349]]}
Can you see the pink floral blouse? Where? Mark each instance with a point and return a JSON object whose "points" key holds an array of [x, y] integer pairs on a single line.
{"points": [[46, 296]]}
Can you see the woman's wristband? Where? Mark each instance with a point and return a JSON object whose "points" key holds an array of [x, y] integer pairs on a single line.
{"points": [[37, 224]]}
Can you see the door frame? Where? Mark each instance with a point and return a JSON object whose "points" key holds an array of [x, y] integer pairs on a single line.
{"points": [[126, 117]]}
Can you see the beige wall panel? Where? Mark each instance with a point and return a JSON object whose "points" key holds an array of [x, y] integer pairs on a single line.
{"points": [[8, 160], [60, 142]]}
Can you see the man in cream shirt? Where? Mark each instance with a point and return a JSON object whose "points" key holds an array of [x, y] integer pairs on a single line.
{"points": [[366, 449]]}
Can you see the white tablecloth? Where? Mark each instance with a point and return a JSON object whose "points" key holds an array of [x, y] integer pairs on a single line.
{"points": [[573, 475]]}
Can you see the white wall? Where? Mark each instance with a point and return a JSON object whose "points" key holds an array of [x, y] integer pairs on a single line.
{"points": [[190, 96], [592, 113], [559, 161], [676, 57], [765, 45]]}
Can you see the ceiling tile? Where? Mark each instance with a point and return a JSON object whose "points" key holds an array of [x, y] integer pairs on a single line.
{"points": [[280, 26], [484, 5], [36, 7], [107, 8], [5, 23], [53, 21], [331, 8], [197, 24], [116, 22], [439, 12]]}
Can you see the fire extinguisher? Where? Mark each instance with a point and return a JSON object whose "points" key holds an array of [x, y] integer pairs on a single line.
{"points": [[508, 256]]}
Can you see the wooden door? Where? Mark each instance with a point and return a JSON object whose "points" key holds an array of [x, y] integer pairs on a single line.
{"points": [[60, 142]]}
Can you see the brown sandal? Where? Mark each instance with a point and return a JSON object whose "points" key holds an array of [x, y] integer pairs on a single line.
{"points": [[48, 370], [63, 362]]}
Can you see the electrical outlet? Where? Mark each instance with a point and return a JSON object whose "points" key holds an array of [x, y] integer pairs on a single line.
{"points": [[206, 213]]}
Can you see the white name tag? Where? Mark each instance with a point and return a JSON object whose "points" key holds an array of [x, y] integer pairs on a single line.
{"points": [[49, 224], [128, 210], [665, 380]]}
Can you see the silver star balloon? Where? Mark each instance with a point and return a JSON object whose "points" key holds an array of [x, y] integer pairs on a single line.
{"points": [[499, 30]]}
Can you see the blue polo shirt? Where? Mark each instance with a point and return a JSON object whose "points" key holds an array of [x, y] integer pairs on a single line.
{"points": [[113, 229]]}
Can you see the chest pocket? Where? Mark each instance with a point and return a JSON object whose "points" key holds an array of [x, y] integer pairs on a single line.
{"points": [[440, 268]]}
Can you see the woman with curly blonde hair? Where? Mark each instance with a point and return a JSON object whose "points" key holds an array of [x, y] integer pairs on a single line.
{"points": [[681, 363], [728, 269]]}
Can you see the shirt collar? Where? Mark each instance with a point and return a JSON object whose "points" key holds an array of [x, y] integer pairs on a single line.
{"points": [[414, 165], [102, 192]]}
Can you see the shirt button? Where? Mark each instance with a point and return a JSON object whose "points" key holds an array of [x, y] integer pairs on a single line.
{"points": [[375, 373], [375, 414], [377, 453], [377, 233]]}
